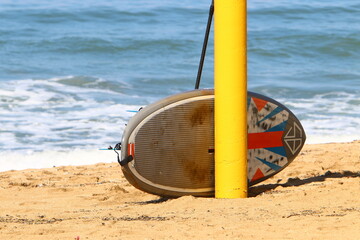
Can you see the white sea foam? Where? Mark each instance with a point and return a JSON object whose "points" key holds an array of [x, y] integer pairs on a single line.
{"points": [[316, 139], [328, 117], [45, 114], [49, 159]]}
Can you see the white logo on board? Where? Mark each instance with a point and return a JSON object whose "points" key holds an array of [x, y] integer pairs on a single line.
{"points": [[293, 138]]}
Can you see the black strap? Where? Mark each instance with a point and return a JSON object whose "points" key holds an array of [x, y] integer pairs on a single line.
{"points": [[203, 53]]}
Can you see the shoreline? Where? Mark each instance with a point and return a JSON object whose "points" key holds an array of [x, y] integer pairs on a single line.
{"points": [[9, 160], [315, 197]]}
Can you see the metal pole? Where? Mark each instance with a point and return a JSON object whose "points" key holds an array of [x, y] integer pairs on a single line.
{"points": [[230, 99]]}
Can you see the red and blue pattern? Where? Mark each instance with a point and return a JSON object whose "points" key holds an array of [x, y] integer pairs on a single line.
{"points": [[267, 153]]}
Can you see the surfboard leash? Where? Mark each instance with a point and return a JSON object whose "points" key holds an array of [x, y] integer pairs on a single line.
{"points": [[206, 38], [124, 161]]}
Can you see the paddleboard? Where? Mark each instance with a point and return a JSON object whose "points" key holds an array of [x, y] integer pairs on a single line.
{"points": [[168, 146]]}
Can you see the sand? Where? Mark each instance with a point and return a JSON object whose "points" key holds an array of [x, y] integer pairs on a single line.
{"points": [[316, 197]]}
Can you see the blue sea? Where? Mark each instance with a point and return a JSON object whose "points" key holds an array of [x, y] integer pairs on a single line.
{"points": [[72, 72]]}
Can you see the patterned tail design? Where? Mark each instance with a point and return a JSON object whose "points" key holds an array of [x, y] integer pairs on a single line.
{"points": [[270, 121]]}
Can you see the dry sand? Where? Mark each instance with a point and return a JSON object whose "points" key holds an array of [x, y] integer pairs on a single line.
{"points": [[316, 197]]}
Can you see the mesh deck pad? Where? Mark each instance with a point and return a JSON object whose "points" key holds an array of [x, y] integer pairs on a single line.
{"points": [[179, 151]]}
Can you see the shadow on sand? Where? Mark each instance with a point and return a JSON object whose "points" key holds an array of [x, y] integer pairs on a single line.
{"points": [[291, 182], [260, 189]]}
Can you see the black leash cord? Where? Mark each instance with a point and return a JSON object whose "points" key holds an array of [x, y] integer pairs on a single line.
{"points": [[203, 52]]}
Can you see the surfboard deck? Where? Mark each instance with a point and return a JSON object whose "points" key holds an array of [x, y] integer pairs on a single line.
{"points": [[171, 143]]}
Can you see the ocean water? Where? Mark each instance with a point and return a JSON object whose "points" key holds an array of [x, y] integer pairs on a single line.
{"points": [[71, 72]]}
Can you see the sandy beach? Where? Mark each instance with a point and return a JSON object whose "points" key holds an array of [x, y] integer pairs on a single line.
{"points": [[316, 197]]}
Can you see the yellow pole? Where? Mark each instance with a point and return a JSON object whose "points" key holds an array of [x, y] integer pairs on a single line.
{"points": [[230, 99]]}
